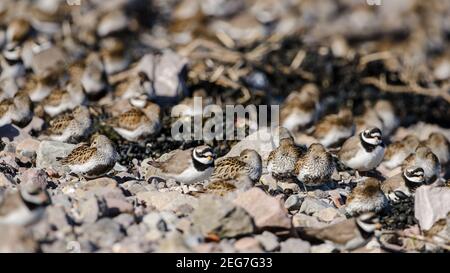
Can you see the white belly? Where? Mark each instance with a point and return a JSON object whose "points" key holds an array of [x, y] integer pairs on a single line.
{"points": [[298, 119], [334, 136], [429, 169], [442, 155], [61, 138], [114, 66], [395, 160], [91, 85], [40, 93], [375, 204], [364, 161], [56, 110], [6, 119], [22, 216], [84, 168], [191, 175], [132, 135]]}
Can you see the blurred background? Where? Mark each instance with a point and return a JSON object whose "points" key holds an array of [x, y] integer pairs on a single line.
{"points": [[388, 61], [258, 51]]}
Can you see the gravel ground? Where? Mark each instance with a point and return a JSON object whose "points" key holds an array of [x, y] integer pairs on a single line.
{"points": [[229, 53]]}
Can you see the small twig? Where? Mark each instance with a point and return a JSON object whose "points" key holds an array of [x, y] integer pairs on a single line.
{"points": [[221, 56], [121, 76], [245, 97], [383, 55], [298, 59], [224, 81], [417, 237], [217, 73], [225, 39], [261, 50], [381, 84]]}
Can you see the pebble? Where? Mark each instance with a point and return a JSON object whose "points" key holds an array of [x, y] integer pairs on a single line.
{"points": [[132, 245], [161, 185], [323, 248], [92, 209], [117, 205], [267, 211], [119, 168], [62, 200], [173, 242], [327, 214], [60, 246], [48, 60], [268, 240], [8, 161], [125, 220], [293, 202], [221, 7], [293, 245], [218, 216], [133, 209], [312, 205], [47, 153], [134, 186], [431, 204], [288, 187], [270, 182], [28, 147], [137, 230], [34, 176], [165, 73], [303, 220], [160, 221], [247, 244], [170, 183], [101, 187], [169, 201], [16, 239], [58, 218], [103, 233], [5, 181]]}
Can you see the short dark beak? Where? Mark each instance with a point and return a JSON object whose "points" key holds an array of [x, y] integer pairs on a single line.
{"points": [[400, 194]]}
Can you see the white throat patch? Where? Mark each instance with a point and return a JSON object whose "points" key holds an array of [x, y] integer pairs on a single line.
{"points": [[371, 141]]}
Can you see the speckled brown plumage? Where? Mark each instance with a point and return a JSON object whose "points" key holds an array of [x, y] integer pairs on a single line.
{"points": [[247, 164], [129, 120], [423, 157], [59, 124], [300, 108], [16, 110], [5, 105], [80, 155], [407, 145], [367, 196], [229, 168], [17, 29], [55, 97], [316, 166], [335, 128], [94, 160], [439, 145], [281, 161]]}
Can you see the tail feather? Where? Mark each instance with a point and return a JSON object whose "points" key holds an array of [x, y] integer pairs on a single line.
{"points": [[62, 160], [108, 121], [340, 166]]}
